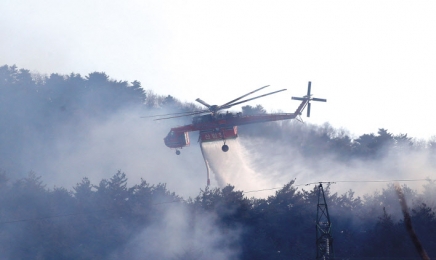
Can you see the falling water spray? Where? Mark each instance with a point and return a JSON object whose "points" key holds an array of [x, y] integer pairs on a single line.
{"points": [[232, 167]]}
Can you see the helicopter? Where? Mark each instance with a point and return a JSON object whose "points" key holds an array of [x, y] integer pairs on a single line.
{"points": [[214, 125]]}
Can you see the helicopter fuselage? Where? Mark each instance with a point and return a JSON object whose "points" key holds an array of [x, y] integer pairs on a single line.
{"points": [[218, 127]]}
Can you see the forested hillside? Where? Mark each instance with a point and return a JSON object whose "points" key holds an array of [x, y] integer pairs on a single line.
{"points": [[75, 128]]}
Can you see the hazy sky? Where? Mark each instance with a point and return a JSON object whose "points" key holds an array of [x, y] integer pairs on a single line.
{"points": [[375, 61]]}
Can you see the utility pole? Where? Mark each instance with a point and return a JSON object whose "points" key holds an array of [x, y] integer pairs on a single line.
{"points": [[324, 239]]}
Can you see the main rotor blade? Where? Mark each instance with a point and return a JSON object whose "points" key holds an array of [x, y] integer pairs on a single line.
{"points": [[170, 114], [196, 113], [319, 99], [243, 101], [234, 100], [298, 98], [202, 102]]}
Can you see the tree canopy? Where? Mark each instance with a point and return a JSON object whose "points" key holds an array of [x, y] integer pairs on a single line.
{"points": [[100, 221]]}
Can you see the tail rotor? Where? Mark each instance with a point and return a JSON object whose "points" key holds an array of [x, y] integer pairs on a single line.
{"points": [[309, 88], [308, 98], [308, 110]]}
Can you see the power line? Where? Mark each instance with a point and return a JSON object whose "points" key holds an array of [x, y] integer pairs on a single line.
{"points": [[262, 190], [342, 181], [399, 180]]}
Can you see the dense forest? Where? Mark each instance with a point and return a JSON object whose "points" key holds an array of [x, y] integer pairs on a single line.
{"points": [[113, 219]]}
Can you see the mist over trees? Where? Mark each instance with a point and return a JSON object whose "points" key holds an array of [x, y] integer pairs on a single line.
{"points": [[112, 219]]}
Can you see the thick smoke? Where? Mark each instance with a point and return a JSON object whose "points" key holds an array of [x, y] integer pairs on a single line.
{"points": [[258, 163], [181, 234], [123, 141], [271, 159]]}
